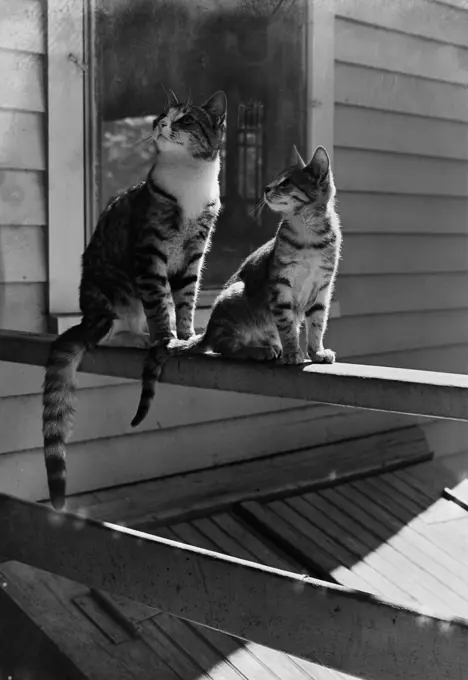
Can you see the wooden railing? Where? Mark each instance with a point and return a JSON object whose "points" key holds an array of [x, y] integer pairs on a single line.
{"points": [[344, 629]]}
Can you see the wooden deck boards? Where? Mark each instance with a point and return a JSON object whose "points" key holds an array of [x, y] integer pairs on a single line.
{"points": [[391, 533]]}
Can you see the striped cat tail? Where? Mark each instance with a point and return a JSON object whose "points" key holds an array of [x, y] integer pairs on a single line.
{"points": [[154, 364], [66, 354]]}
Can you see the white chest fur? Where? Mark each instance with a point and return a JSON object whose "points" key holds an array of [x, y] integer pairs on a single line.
{"points": [[194, 184]]}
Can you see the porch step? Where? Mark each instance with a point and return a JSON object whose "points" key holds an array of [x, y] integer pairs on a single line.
{"points": [[152, 503]]}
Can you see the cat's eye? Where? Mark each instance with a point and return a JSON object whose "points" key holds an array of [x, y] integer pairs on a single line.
{"points": [[284, 182], [186, 118]]}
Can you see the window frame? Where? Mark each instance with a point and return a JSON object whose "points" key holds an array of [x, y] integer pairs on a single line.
{"points": [[72, 172]]}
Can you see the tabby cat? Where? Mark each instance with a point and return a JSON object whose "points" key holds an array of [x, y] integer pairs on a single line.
{"points": [[148, 247], [284, 287]]}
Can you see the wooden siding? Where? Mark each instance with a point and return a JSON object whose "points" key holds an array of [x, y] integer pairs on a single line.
{"points": [[400, 162], [401, 167]]}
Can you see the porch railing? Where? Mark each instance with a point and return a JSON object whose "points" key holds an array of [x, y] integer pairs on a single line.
{"points": [[344, 629]]}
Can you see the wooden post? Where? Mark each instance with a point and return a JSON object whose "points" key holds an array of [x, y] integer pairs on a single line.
{"points": [[344, 629]]}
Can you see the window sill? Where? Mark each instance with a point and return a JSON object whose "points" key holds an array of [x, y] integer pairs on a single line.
{"points": [[58, 323]]}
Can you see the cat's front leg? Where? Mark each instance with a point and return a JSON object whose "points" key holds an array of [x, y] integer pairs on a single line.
{"points": [[184, 288], [152, 282], [281, 305], [316, 319]]}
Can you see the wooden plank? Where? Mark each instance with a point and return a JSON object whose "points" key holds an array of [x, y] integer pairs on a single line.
{"points": [[365, 212], [203, 490], [373, 88], [204, 657], [358, 170], [320, 46], [403, 254], [366, 45], [459, 4], [259, 548], [438, 395], [340, 616], [104, 463], [388, 293], [447, 358], [412, 535], [22, 81], [168, 650], [22, 140], [23, 254], [275, 664], [89, 652], [22, 25], [419, 17], [434, 557], [66, 166], [310, 547], [377, 562], [26, 650], [22, 307], [360, 128], [246, 658], [22, 196], [418, 573]]}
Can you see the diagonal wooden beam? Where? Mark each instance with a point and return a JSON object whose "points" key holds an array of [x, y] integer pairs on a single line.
{"points": [[424, 393], [347, 630]]}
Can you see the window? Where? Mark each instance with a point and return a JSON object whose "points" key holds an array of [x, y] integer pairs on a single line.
{"points": [[252, 50], [116, 57]]}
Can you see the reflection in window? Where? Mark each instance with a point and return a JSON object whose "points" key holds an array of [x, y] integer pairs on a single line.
{"points": [[251, 49], [250, 153]]}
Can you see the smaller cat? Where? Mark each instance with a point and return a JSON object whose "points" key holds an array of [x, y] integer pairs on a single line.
{"points": [[285, 286]]}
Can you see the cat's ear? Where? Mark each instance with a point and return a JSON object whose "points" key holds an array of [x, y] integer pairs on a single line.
{"points": [[216, 106], [296, 158], [319, 166]]}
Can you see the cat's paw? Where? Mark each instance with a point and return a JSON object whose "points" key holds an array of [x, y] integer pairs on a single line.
{"points": [[261, 353], [186, 334], [293, 358], [322, 356]]}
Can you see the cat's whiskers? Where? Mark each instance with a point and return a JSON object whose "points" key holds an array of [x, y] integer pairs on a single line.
{"points": [[141, 142], [258, 208]]}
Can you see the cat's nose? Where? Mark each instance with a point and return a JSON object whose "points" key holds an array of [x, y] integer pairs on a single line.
{"points": [[163, 123], [267, 189]]}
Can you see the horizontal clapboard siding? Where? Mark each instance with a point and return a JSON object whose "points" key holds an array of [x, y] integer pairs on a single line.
{"points": [[365, 170], [386, 293], [388, 91], [415, 18], [22, 81], [361, 128], [371, 46], [107, 462], [401, 167], [22, 25], [401, 254], [364, 212], [22, 140]]}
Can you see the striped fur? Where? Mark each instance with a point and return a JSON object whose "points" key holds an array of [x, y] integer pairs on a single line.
{"points": [[146, 252], [281, 291]]}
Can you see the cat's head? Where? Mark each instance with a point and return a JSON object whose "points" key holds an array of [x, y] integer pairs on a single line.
{"points": [[302, 185], [187, 129]]}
